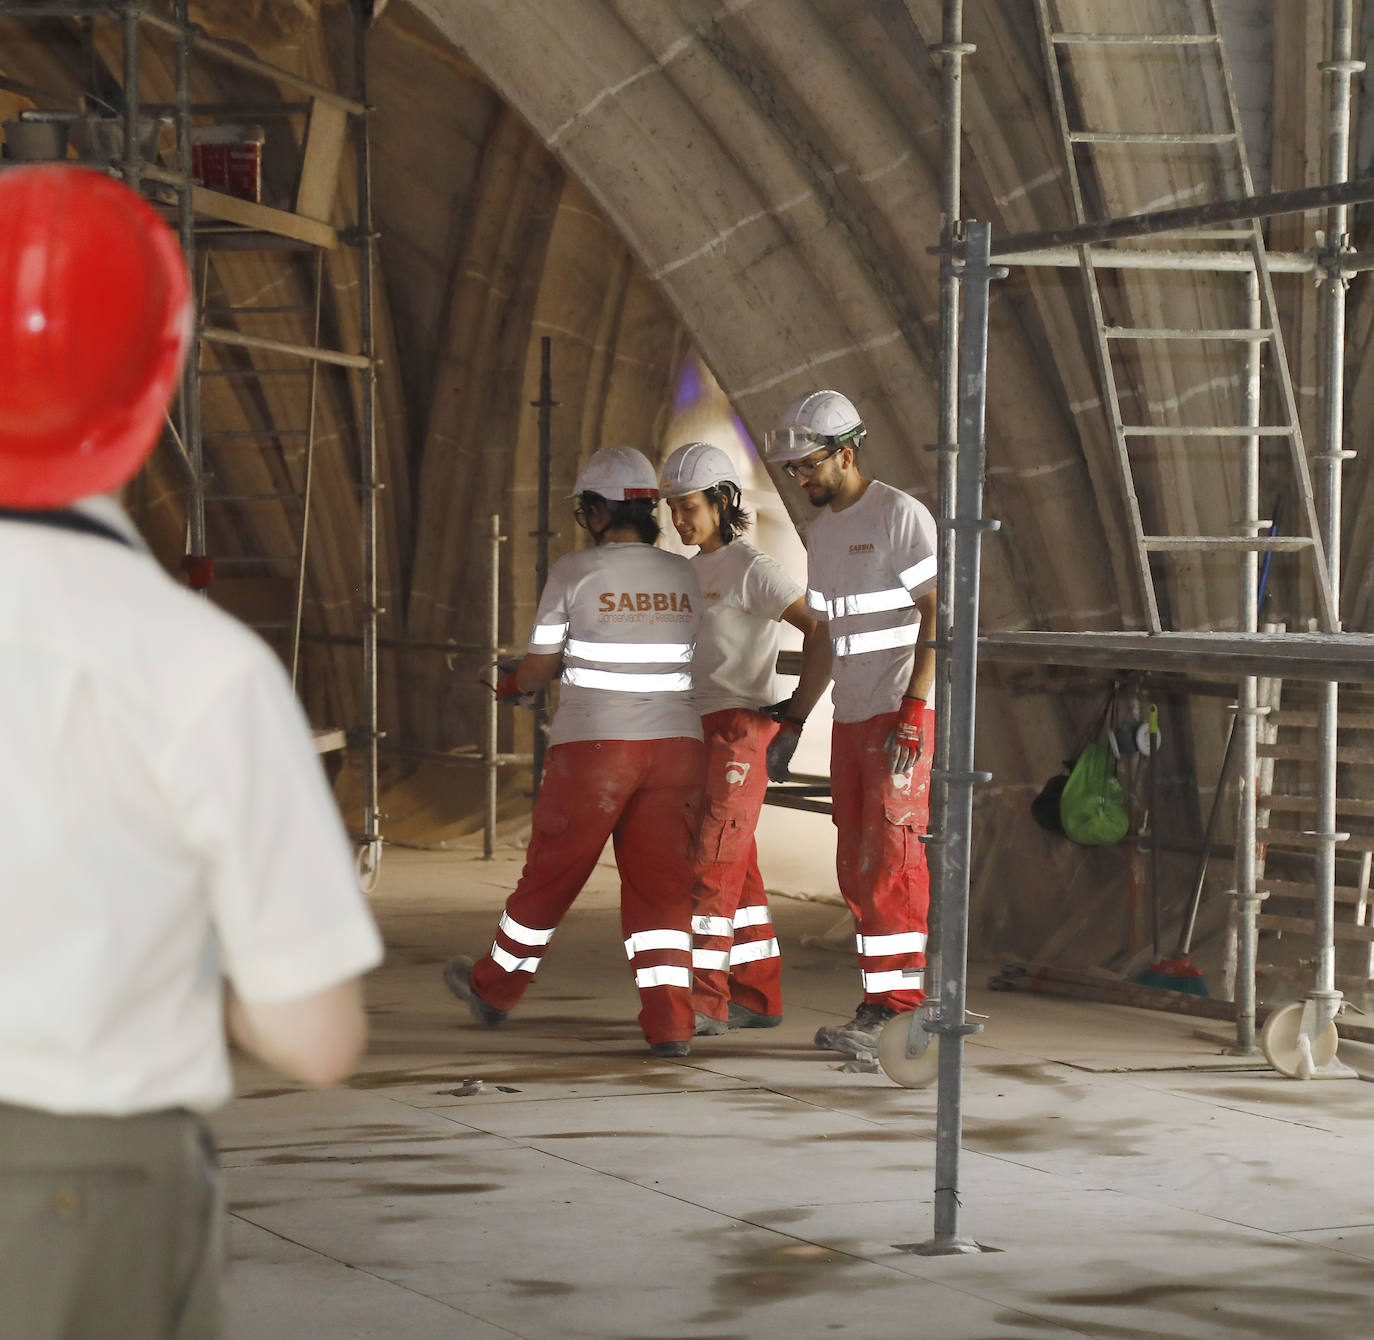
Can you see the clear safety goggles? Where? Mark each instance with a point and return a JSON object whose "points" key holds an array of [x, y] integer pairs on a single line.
{"points": [[791, 444]]}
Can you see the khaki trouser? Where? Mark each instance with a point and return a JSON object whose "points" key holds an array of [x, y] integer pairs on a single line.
{"points": [[110, 1227]]}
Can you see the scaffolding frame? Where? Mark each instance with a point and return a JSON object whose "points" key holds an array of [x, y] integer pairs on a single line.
{"points": [[268, 228], [964, 255]]}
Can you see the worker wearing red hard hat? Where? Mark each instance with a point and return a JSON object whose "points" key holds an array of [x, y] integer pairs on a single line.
{"points": [[871, 577], [617, 624], [736, 979], [173, 858]]}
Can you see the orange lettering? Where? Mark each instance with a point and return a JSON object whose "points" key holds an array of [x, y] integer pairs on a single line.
{"points": [[660, 601], [607, 601], [685, 605], [626, 601], [642, 600]]}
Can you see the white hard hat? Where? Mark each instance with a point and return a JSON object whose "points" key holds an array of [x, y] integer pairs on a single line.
{"points": [[618, 474], [695, 467], [817, 420]]}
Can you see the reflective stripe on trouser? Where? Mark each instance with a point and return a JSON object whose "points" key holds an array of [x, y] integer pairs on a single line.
{"points": [[735, 952], [879, 817], [643, 794]]}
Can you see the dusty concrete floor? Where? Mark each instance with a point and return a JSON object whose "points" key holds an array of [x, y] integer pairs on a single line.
{"points": [[1127, 1179]]}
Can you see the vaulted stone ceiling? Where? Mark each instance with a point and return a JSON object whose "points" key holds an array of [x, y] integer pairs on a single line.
{"points": [[757, 180]]}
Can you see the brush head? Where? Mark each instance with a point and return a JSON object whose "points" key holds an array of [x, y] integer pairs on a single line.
{"points": [[1174, 974]]}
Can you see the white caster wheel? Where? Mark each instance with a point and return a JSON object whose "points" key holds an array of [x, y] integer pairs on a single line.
{"points": [[1291, 1054], [912, 1067], [369, 862]]}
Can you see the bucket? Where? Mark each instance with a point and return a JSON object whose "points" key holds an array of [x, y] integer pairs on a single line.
{"points": [[32, 141]]}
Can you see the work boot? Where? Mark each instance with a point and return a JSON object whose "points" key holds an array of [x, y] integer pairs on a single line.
{"points": [[860, 1034], [708, 1027], [741, 1016], [458, 979], [678, 1047]]}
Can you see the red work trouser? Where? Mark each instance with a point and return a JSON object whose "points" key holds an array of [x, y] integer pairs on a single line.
{"points": [[643, 794], [879, 816], [734, 950]]}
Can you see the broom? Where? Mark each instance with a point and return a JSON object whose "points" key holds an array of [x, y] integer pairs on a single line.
{"points": [[1176, 973]]}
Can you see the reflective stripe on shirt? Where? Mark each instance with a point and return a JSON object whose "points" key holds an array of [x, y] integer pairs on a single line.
{"points": [[918, 573], [870, 602], [583, 677], [877, 639], [548, 634], [627, 653]]}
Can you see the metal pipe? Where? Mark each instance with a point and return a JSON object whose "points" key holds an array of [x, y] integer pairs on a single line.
{"points": [[951, 51], [1356, 192], [230, 55], [132, 167], [1340, 68], [545, 404], [492, 749], [1243, 731], [335, 357], [951, 1022], [1284, 262], [191, 427], [309, 478], [367, 471]]}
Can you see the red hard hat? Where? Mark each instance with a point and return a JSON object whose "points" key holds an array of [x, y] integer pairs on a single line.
{"points": [[95, 316]]}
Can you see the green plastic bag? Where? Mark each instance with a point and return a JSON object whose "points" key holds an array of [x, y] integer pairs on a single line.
{"points": [[1093, 805]]}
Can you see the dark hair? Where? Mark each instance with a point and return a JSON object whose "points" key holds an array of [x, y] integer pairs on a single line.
{"points": [[725, 497], [636, 512]]}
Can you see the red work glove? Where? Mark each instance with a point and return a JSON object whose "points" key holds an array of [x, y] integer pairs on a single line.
{"points": [[507, 687], [907, 742]]}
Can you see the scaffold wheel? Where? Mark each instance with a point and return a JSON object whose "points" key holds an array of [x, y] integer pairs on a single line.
{"points": [[907, 1058], [1288, 1051]]}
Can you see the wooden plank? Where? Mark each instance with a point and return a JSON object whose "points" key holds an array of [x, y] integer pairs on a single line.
{"points": [[1308, 805], [1309, 753], [262, 218], [1292, 837], [1345, 657], [325, 139], [1292, 888], [1268, 922], [329, 739]]}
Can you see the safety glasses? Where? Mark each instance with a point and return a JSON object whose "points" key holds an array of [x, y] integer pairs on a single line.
{"points": [[805, 469]]}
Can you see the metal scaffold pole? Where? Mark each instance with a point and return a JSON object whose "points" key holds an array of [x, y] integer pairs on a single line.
{"points": [[950, 1022], [951, 51], [193, 451], [370, 858], [545, 405]]}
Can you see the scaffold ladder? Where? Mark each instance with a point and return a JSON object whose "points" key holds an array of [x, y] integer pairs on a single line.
{"points": [[1123, 347]]}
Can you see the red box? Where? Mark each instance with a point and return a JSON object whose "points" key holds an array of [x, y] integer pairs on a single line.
{"points": [[228, 160]]}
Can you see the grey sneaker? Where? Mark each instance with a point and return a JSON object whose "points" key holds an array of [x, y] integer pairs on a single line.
{"points": [[741, 1016], [458, 979], [860, 1034], [707, 1027], [675, 1048]]}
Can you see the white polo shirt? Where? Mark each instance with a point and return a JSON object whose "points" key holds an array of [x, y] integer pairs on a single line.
{"points": [[866, 566], [167, 825], [744, 594], [625, 618]]}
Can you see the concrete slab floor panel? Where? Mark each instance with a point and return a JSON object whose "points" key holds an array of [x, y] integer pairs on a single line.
{"points": [[1107, 1264], [546, 1250], [278, 1288]]}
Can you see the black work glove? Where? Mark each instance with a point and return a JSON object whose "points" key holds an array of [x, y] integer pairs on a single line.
{"points": [[784, 744]]}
